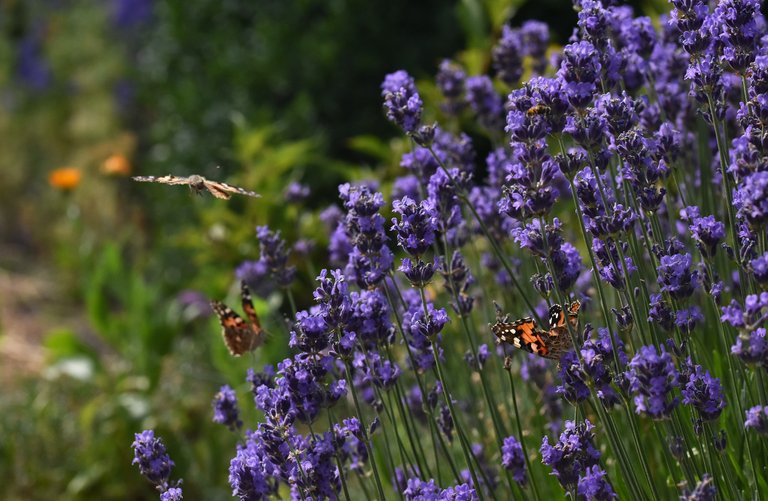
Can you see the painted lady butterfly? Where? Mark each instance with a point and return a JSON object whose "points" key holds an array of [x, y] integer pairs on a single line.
{"points": [[198, 184], [239, 335], [524, 334]]}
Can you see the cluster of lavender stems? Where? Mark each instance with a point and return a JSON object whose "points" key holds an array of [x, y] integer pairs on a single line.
{"points": [[628, 171]]}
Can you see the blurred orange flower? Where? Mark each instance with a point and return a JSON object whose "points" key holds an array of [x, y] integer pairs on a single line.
{"points": [[65, 178], [116, 165]]}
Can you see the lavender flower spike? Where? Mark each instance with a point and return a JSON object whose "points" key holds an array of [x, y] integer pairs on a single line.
{"points": [[154, 463], [573, 453], [225, 409], [402, 102], [652, 376], [512, 459]]}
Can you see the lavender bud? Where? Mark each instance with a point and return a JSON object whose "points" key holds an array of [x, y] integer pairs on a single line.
{"points": [[374, 426]]}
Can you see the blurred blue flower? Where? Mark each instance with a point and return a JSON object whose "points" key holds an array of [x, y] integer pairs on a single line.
{"points": [[594, 485], [402, 102], [573, 453], [513, 460], [225, 410], [652, 376], [154, 463], [296, 193], [702, 391], [757, 419], [130, 13]]}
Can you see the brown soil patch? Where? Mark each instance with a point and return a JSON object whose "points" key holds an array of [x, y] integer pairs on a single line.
{"points": [[22, 325]]}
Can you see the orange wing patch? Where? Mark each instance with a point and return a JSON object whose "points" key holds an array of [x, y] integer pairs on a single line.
{"points": [[524, 334], [239, 336]]}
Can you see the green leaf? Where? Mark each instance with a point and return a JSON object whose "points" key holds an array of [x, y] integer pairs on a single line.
{"points": [[370, 145], [64, 343]]}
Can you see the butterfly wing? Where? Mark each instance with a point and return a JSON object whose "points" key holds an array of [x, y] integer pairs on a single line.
{"points": [[556, 317], [162, 179], [248, 308], [558, 338], [524, 335], [238, 334], [573, 313], [225, 191]]}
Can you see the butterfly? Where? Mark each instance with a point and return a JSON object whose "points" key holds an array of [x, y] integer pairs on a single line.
{"points": [[198, 184], [524, 334], [239, 335]]}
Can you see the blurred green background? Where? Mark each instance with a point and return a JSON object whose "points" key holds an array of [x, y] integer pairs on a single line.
{"points": [[104, 282]]}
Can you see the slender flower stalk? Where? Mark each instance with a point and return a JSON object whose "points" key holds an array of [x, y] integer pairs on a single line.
{"points": [[621, 151]]}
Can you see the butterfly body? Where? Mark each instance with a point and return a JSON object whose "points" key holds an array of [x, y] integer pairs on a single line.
{"points": [[525, 334], [198, 184], [240, 335]]}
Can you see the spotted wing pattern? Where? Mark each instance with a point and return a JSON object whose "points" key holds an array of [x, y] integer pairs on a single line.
{"points": [[239, 336], [162, 179], [218, 189], [524, 334]]}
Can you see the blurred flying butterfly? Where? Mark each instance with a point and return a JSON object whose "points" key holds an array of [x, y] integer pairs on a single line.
{"points": [[524, 334], [240, 336], [198, 184]]}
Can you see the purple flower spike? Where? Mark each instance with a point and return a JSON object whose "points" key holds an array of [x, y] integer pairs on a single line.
{"points": [[708, 233], [512, 459], [273, 258], [704, 490], [752, 347], [370, 259], [416, 228], [225, 409], [675, 275], [402, 102], [594, 485], [703, 393], [757, 419], [652, 376], [508, 56], [751, 199], [450, 80], [687, 319], [580, 70], [759, 268], [736, 31], [154, 463], [535, 41], [485, 102], [172, 494], [573, 453], [573, 380]]}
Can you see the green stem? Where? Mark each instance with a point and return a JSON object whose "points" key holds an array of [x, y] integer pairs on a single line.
{"points": [[534, 485], [422, 388], [339, 465], [465, 447], [491, 239], [368, 442]]}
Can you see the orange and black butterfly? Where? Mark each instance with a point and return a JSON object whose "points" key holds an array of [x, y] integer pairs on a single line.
{"points": [[240, 336], [198, 184], [524, 334]]}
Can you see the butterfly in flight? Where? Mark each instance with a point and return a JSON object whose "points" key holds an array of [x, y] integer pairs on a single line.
{"points": [[524, 334], [198, 184], [240, 336]]}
